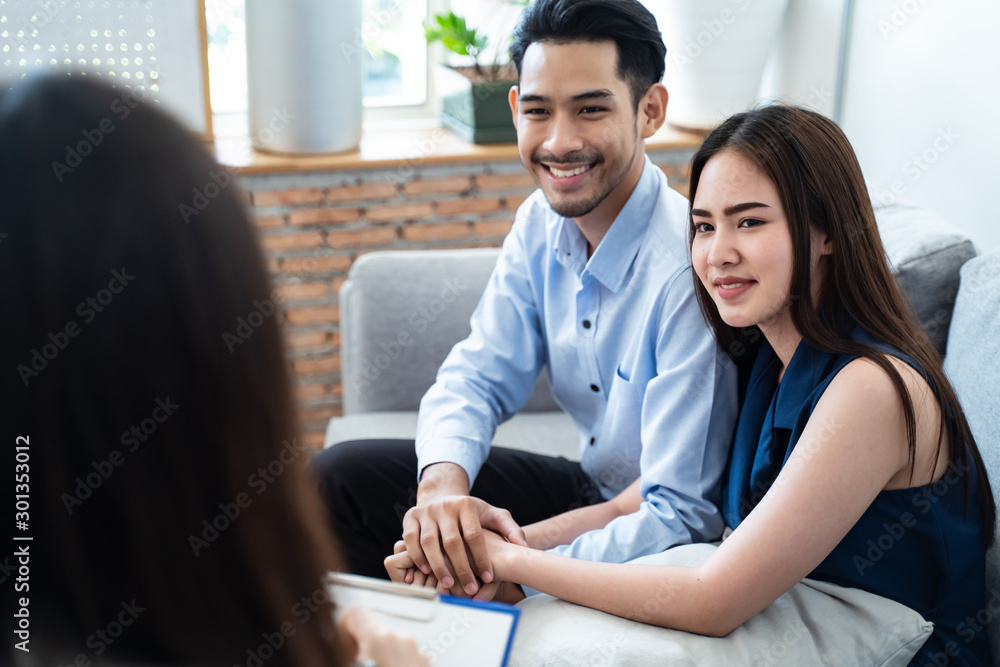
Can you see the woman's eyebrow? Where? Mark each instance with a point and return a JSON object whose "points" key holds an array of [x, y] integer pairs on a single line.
{"points": [[730, 210]]}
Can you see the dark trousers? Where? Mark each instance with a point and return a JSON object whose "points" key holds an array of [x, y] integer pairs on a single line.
{"points": [[368, 485]]}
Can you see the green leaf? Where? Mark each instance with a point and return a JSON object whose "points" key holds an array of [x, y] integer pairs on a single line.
{"points": [[456, 36]]}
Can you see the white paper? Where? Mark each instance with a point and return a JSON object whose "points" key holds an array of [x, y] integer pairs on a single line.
{"points": [[452, 632]]}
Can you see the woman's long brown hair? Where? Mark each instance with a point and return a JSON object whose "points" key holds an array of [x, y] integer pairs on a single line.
{"points": [[168, 480], [820, 184]]}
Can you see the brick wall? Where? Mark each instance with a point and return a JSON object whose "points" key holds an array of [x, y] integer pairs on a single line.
{"points": [[314, 225]]}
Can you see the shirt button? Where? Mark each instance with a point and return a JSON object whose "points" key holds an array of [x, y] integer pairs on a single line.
{"points": [[592, 441], [594, 387], [586, 324]]}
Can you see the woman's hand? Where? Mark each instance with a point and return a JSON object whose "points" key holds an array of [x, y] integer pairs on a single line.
{"points": [[370, 640], [499, 549], [503, 589], [403, 570]]}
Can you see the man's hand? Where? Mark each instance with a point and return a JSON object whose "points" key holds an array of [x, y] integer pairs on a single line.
{"points": [[442, 479], [446, 522], [402, 570], [440, 532]]}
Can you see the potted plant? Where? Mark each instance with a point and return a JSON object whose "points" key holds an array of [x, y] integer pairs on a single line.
{"points": [[473, 98]]}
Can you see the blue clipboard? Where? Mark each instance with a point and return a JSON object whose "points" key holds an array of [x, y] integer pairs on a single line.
{"points": [[451, 631]]}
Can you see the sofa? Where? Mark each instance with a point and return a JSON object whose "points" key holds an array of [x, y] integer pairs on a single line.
{"points": [[400, 314], [402, 311]]}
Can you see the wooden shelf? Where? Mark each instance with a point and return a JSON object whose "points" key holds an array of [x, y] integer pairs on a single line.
{"points": [[398, 148]]}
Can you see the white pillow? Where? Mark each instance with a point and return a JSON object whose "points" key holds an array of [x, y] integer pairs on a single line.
{"points": [[815, 623]]}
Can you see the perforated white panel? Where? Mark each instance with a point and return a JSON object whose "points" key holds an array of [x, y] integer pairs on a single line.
{"points": [[151, 46]]}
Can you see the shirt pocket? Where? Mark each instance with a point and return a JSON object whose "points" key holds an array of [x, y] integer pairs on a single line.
{"points": [[620, 439]]}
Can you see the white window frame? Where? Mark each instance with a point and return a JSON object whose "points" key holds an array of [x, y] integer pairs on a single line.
{"points": [[379, 116]]}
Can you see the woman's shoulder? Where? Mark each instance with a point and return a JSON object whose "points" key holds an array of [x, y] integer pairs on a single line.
{"points": [[873, 375], [873, 381], [865, 392], [866, 386]]}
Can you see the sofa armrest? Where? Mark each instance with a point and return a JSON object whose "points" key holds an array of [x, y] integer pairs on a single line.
{"points": [[973, 366]]}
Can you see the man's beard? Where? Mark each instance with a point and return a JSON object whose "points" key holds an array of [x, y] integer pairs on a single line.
{"points": [[577, 209]]}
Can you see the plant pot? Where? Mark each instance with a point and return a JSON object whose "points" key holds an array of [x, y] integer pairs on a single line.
{"points": [[477, 111], [304, 78], [716, 53]]}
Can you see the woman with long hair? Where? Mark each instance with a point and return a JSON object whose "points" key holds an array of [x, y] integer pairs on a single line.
{"points": [[848, 419], [171, 519]]}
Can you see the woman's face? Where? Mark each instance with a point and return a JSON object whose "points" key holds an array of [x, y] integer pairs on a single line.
{"points": [[742, 248]]}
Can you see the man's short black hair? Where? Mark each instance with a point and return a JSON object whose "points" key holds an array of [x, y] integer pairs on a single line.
{"points": [[641, 52]]}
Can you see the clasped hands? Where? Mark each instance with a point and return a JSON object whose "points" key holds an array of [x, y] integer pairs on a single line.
{"points": [[458, 545]]}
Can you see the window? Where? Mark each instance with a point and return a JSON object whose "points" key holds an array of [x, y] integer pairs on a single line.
{"points": [[396, 58], [396, 67], [493, 19], [227, 62]]}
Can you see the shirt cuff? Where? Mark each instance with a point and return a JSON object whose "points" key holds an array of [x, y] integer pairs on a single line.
{"points": [[459, 451], [528, 592]]}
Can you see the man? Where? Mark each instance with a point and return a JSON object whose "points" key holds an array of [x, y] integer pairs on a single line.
{"points": [[594, 285]]}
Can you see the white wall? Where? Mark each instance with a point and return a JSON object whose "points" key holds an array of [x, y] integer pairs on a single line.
{"points": [[921, 102], [921, 106], [921, 98], [803, 66]]}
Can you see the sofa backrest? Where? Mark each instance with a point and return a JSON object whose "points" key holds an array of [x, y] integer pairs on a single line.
{"points": [[926, 253], [401, 313], [973, 366]]}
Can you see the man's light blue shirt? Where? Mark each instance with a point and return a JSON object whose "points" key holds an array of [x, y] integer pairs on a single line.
{"points": [[629, 358]]}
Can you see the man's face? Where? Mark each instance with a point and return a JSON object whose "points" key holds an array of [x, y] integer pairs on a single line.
{"points": [[577, 131]]}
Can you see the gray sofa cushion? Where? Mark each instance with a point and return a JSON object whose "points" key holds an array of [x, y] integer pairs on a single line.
{"points": [[973, 365], [401, 313], [926, 253]]}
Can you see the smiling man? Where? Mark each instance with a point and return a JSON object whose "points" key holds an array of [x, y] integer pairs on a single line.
{"points": [[593, 285]]}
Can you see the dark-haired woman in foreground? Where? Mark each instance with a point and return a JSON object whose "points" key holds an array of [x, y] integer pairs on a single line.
{"points": [[171, 519], [848, 415]]}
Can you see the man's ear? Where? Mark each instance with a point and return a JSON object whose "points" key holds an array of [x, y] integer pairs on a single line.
{"points": [[653, 109], [512, 100]]}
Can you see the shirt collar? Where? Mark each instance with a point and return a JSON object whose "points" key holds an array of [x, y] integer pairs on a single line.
{"points": [[570, 246], [614, 255]]}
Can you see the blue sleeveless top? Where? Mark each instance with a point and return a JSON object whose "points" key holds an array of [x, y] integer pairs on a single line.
{"points": [[915, 546]]}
